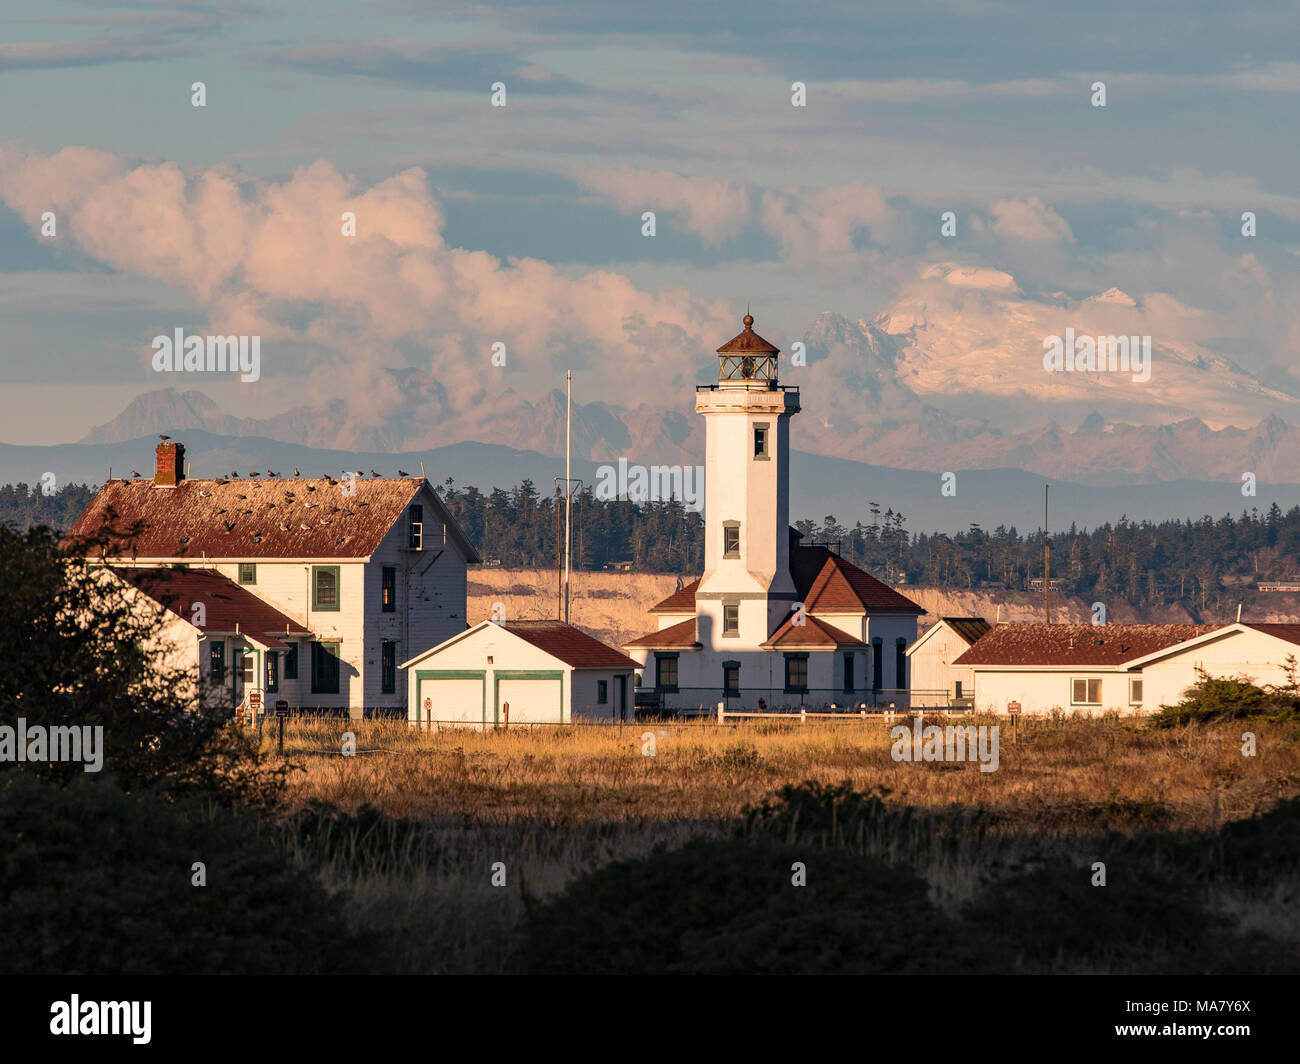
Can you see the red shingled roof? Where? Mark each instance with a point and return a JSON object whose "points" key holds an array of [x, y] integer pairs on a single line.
{"points": [[823, 581], [1076, 644], [813, 633], [228, 606], [571, 645], [682, 601], [256, 518], [827, 582], [678, 636]]}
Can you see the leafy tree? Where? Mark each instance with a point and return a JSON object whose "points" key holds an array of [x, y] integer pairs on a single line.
{"points": [[82, 649]]}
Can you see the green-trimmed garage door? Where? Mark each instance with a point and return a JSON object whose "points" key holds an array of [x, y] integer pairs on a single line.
{"points": [[450, 697], [534, 697]]}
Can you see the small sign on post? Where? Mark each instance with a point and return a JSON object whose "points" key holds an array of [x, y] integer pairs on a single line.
{"points": [[281, 715], [255, 704]]}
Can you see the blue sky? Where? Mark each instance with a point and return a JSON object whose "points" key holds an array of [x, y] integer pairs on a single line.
{"points": [[528, 217]]}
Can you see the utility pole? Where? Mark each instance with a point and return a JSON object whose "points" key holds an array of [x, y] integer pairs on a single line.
{"points": [[1047, 561], [570, 486]]}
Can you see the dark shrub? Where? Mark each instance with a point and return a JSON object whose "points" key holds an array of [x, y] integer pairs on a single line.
{"points": [[728, 906], [95, 881]]}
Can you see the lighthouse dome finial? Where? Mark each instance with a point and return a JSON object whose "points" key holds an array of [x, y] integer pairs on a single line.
{"points": [[748, 320]]}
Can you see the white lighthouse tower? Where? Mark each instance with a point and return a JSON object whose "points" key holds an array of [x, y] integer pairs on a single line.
{"points": [[746, 590], [732, 637]]}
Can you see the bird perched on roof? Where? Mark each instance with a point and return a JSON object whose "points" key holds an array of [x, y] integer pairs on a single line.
{"points": [[163, 437], [270, 474], [229, 525], [233, 473], [254, 473], [135, 475], [403, 473], [305, 527], [373, 473], [204, 494], [284, 527], [257, 538], [295, 471]]}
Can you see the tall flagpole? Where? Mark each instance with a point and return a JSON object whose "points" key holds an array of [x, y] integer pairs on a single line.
{"points": [[568, 481]]}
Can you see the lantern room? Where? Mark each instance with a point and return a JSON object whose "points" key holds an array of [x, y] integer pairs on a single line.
{"points": [[747, 360]]}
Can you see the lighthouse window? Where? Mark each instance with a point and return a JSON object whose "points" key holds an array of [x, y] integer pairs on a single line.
{"points": [[731, 539], [760, 441], [731, 619]]}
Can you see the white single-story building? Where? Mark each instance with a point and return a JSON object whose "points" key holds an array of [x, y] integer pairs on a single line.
{"points": [[519, 672], [1119, 667], [935, 680]]}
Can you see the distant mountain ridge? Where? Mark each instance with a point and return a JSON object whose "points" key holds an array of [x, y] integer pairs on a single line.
{"points": [[1098, 452]]}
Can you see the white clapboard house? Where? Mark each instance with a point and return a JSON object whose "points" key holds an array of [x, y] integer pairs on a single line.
{"points": [[307, 590], [1127, 668], [771, 620]]}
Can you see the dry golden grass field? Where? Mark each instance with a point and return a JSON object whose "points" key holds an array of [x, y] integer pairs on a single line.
{"points": [[1056, 774], [553, 803]]}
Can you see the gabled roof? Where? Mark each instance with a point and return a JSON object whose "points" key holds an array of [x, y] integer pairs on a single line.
{"points": [[565, 642], [682, 601], [968, 629], [680, 636], [227, 606], [812, 633], [1076, 644], [571, 645], [265, 517], [1288, 632], [827, 583]]}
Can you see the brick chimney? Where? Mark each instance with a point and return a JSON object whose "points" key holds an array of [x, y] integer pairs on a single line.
{"points": [[169, 465]]}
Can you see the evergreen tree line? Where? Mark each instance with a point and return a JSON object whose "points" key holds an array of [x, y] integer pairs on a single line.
{"points": [[25, 506], [1205, 566]]}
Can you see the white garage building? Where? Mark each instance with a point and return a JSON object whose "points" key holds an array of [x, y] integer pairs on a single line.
{"points": [[518, 672]]}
